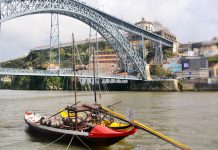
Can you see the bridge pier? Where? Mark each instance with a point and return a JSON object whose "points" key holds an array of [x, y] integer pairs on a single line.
{"points": [[148, 74], [158, 59]]}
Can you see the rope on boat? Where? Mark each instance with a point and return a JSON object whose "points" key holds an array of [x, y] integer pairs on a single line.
{"points": [[83, 143], [70, 142], [53, 141]]}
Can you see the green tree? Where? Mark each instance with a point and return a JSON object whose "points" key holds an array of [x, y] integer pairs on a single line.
{"points": [[54, 83], [159, 71], [168, 53], [37, 83], [20, 82]]}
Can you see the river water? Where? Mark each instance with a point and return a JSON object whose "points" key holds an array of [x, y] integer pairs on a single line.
{"points": [[191, 118]]}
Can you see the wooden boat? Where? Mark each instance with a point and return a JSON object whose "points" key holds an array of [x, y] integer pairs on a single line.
{"points": [[83, 123]]}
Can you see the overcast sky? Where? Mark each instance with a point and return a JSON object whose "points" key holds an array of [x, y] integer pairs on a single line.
{"points": [[189, 20]]}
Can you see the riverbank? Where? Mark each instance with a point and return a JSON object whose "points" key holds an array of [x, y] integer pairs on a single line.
{"points": [[64, 84], [190, 85], [172, 85]]}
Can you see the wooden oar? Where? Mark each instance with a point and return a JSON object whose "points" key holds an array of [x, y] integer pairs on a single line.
{"points": [[147, 129]]}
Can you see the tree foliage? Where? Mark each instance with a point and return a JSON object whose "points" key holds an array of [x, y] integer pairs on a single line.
{"points": [[159, 71]]}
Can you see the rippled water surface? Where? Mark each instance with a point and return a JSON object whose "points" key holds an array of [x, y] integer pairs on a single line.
{"points": [[188, 117]]}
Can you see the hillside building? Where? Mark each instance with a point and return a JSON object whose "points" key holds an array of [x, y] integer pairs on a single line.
{"points": [[173, 65], [106, 62], [149, 26], [194, 68], [204, 48], [145, 25]]}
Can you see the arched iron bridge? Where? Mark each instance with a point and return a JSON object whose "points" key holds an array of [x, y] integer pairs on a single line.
{"points": [[107, 25]]}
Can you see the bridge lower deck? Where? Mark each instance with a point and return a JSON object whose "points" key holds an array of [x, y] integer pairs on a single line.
{"points": [[62, 73]]}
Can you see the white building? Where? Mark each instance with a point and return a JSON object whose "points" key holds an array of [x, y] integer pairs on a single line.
{"points": [[145, 25]]}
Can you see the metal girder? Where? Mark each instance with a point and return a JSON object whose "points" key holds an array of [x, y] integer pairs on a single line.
{"points": [[15, 8], [54, 39]]}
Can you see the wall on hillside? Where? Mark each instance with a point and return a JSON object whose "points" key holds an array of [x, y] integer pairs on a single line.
{"points": [[170, 85]]}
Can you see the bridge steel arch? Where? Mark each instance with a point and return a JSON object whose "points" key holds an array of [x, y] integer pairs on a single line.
{"points": [[129, 27], [11, 9]]}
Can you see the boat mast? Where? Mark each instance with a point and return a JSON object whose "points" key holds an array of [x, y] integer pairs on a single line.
{"points": [[74, 67], [75, 85], [95, 94]]}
